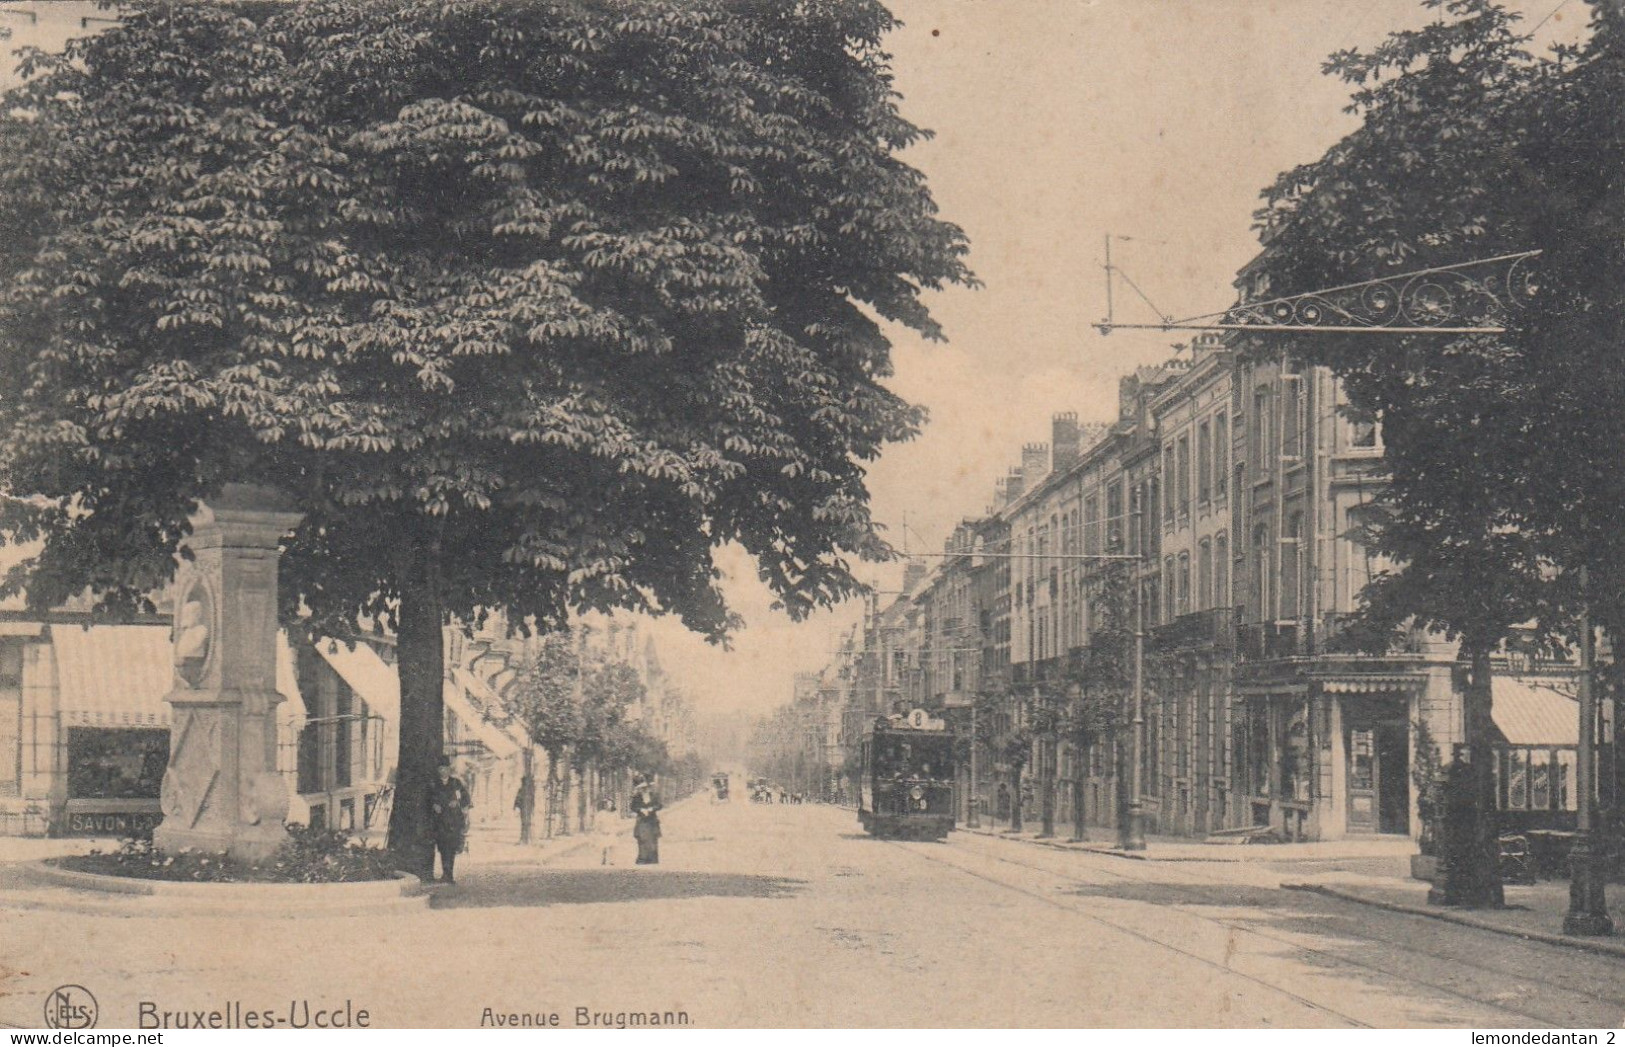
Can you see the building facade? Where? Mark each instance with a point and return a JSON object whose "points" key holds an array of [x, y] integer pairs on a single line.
{"points": [[1233, 488]]}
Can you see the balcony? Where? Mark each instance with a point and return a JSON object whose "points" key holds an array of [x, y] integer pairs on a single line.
{"points": [[1266, 641], [1334, 634], [1210, 630]]}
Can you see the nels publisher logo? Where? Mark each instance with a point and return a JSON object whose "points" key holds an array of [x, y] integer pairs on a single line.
{"points": [[70, 1007]]}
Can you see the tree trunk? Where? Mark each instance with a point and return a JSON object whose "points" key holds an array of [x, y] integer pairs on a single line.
{"points": [[1015, 797], [1470, 855], [1051, 768], [527, 795], [564, 802], [552, 791], [420, 664], [581, 799], [1079, 821]]}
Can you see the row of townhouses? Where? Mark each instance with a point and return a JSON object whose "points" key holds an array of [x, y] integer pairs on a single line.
{"points": [[1227, 496]]}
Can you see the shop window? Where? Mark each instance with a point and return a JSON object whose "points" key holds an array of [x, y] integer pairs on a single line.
{"points": [[116, 764], [1295, 757], [343, 731], [309, 771], [1257, 734], [11, 720]]}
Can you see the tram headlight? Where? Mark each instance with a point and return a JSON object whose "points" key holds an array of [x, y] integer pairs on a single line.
{"points": [[916, 793]]}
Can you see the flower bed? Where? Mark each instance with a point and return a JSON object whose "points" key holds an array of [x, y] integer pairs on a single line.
{"points": [[309, 856]]}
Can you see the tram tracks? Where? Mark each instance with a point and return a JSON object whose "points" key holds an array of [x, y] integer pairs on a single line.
{"points": [[1414, 975]]}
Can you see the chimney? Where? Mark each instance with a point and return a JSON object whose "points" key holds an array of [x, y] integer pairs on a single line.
{"points": [[1013, 484], [1034, 464], [1128, 392], [913, 573], [1066, 439]]}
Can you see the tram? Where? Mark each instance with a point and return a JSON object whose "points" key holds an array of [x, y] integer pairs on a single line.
{"points": [[907, 781], [719, 782]]}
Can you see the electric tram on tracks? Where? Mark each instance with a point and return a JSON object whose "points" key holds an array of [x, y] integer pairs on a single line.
{"points": [[907, 778]]}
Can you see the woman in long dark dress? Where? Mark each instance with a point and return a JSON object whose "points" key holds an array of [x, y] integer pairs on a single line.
{"points": [[647, 831]]}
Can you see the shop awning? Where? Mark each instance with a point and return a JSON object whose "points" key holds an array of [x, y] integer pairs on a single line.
{"points": [[1536, 712], [473, 721], [369, 676], [1372, 684], [487, 699], [113, 675]]}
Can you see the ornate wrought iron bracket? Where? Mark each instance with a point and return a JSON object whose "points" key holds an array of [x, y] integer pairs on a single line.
{"points": [[1474, 297]]}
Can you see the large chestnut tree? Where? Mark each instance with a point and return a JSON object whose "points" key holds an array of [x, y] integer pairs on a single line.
{"points": [[529, 305]]}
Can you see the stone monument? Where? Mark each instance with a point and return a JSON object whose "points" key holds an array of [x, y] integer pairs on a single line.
{"points": [[222, 791]]}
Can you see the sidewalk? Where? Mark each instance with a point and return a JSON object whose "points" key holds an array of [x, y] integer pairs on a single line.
{"points": [[1534, 912], [1185, 849], [497, 842], [1367, 872]]}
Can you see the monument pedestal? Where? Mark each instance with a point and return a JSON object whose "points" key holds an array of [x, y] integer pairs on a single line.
{"points": [[222, 792]]}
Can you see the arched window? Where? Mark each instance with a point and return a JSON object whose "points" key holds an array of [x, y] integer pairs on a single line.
{"points": [[1221, 454], [1170, 599], [1184, 583], [1221, 571]]}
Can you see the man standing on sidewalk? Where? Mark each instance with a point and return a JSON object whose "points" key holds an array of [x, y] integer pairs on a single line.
{"points": [[448, 817]]}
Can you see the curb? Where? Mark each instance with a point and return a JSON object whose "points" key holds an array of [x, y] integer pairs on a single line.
{"points": [[1595, 945], [1065, 845], [102, 895]]}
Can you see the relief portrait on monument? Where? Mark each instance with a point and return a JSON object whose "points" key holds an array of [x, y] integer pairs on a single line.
{"points": [[826, 514]]}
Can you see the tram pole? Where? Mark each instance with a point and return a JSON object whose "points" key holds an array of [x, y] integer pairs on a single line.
{"points": [[972, 821], [1132, 834], [1588, 905]]}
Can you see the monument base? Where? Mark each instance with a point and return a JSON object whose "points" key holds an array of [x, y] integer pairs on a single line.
{"points": [[253, 844]]}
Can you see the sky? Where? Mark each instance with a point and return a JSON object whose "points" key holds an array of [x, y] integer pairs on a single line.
{"points": [[1058, 122]]}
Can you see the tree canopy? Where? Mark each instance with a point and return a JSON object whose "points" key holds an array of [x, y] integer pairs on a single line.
{"points": [[559, 296]]}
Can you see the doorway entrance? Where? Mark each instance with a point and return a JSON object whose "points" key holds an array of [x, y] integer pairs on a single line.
{"points": [[1376, 741]]}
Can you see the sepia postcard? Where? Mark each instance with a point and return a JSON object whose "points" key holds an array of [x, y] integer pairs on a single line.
{"points": [[780, 514]]}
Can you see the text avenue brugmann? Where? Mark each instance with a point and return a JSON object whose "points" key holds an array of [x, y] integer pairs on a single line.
{"points": [[234, 1014], [584, 1018]]}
